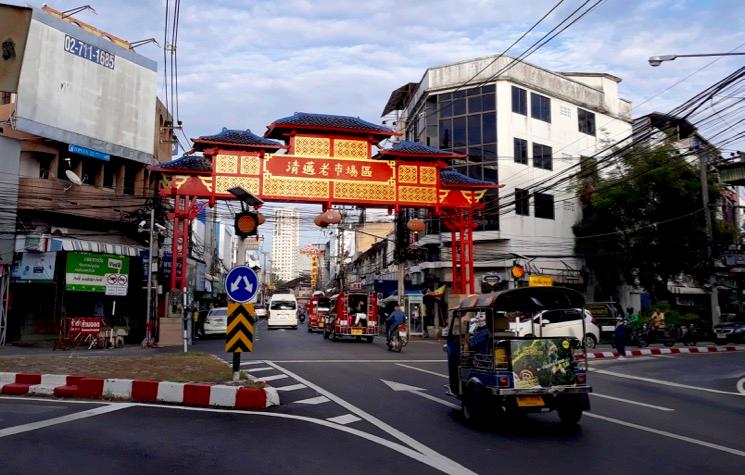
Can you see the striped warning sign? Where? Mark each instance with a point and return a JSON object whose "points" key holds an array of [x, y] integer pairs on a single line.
{"points": [[240, 334]]}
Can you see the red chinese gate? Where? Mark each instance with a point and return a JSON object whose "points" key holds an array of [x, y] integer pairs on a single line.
{"points": [[328, 161]]}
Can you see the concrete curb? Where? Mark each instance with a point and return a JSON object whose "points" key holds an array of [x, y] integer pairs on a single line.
{"points": [[187, 394], [664, 351]]}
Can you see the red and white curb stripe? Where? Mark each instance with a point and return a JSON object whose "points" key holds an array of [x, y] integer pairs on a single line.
{"points": [[188, 394], [664, 351]]}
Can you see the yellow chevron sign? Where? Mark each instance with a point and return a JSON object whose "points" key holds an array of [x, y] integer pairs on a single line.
{"points": [[239, 337]]}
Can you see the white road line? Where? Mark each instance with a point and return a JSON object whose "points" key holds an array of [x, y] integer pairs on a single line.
{"points": [[263, 368], [344, 419], [661, 382], [434, 458], [359, 361], [423, 370], [291, 387], [684, 438], [250, 363], [629, 401], [273, 378], [313, 401], [62, 419]]}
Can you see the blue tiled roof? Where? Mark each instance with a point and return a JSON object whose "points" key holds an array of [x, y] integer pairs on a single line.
{"points": [[240, 137], [188, 162], [451, 177], [326, 121], [406, 147]]}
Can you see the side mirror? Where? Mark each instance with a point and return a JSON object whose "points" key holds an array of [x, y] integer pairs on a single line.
{"points": [[445, 348], [545, 322]]}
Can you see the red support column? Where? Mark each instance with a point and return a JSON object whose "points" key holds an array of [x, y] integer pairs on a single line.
{"points": [[463, 272], [469, 243], [454, 257]]}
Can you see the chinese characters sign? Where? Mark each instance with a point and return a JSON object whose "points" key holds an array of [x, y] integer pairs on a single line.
{"points": [[329, 168]]}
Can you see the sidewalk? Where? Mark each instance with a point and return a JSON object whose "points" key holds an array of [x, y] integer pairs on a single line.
{"points": [[606, 351]]}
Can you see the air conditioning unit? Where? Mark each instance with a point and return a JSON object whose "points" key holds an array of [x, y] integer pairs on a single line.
{"points": [[56, 231]]}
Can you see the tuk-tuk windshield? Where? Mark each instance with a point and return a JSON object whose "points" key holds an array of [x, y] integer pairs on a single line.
{"points": [[323, 304]]}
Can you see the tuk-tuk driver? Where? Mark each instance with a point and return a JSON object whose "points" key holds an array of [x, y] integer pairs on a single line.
{"points": [[478, 341]]}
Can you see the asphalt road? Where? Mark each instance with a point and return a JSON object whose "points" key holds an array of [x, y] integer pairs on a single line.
{"points": [[340, 414]]}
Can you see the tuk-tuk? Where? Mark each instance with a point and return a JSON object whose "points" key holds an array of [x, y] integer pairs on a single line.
{"points": [[318, 308], [352, 314], [494, 372]]}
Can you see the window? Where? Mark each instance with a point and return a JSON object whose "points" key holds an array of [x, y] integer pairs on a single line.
{"points": [[540, 107], [544, 206], [68, 163], [45, 164], [490, 127], [586, 121], [519, 100], [474, 129], [542, 156], [91, 168], [522, 202], [7, 98], [521, 151], [109, 175], [130, 177]]}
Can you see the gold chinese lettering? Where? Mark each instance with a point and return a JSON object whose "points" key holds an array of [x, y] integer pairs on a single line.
{"points": [[293, 167], [324, 171], [309, 168], [352, 170], [366, 171], [338, 169]]}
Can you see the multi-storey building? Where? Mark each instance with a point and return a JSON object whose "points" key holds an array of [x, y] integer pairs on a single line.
{"points": [[522, 126], [286, 244]]}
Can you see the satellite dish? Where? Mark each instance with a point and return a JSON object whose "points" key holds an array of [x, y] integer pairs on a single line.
{"points": [[73, 177]]}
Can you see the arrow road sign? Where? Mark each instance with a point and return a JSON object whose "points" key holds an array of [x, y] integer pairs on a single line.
{"points": [[419, 392], [239, 337], [241, 284]]}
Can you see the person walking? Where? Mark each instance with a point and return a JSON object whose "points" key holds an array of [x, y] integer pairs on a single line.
{"points": [[619, 338]]}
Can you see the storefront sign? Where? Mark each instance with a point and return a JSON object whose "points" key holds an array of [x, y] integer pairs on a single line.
{"points": [[35, 267], [540, 281], [89, 272], [87, 152], [85, 325]]}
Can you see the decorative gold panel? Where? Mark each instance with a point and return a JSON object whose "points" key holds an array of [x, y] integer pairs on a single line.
{"points": [[406, 174], [250, 165], [428, 175], [223, 183], [350, 148], [364, 191], [294, 187], [312, 147], [416, 194], [226, 164]]}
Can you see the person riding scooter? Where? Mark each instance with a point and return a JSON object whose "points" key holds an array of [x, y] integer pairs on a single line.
{"points": [[396, 318]]}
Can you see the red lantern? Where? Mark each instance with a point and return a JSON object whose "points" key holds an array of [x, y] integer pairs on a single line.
{"points": [[415, 225], [333, 216], [321, 220]]}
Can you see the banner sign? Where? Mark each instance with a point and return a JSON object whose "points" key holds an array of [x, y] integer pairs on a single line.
{"points": [[540, 281], [542, 362], [329, 168], [89, 272], [34, 267], [85, 326]]}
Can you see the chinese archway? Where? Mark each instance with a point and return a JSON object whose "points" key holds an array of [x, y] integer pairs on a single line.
{"points": [[326, 160]]}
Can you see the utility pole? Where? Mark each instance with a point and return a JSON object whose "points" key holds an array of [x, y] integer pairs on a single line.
{"points": [[151, 259], [713, 291]]}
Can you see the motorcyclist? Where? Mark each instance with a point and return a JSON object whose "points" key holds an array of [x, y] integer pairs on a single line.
{"points": [[396, 318]]}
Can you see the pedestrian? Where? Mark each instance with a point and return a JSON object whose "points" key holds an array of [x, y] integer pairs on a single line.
{"points": [[619, 338]]}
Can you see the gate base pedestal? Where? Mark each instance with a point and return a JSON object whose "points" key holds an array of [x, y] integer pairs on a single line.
{"points": [[171, 331]]}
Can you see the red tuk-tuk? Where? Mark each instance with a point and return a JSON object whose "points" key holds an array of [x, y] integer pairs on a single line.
{"points": [[352, 314], [318, 308]]}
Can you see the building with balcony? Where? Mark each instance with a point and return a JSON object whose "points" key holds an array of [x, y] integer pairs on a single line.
{"points": [[524, 127], [286, 244]]}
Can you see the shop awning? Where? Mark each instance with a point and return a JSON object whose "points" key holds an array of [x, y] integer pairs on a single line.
{"points": [[66, 244]]}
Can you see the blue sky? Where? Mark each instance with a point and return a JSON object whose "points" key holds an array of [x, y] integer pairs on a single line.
{"points": [[243, 64]]}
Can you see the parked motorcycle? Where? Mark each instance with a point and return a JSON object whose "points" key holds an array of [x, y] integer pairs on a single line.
{"points": [[648, 335], [398, 338]]}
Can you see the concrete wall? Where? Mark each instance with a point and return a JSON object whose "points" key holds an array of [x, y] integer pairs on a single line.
{"points": [[10, 152]]}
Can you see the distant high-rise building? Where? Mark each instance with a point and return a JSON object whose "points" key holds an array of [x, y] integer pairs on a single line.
{"points": [[286, 243]]}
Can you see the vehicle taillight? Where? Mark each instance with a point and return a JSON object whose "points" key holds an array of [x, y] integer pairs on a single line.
{"points": [[504, 381], [594, 322], [581, 378]]}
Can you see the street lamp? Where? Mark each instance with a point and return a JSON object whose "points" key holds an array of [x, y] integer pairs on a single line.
{"points": [[657, 60]]}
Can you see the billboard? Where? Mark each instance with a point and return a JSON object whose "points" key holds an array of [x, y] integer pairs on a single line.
{"points": [[90, 272], [542, 362], [34, 267], [78, 88]]}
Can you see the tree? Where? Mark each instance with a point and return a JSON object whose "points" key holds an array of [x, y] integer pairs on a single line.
{"points": [[644, 223]]}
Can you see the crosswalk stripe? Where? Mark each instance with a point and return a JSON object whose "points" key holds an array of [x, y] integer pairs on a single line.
{"points": [[256, 370], [290, 387], [273, 378], [314, 400], [344, 419], [250, 363]]}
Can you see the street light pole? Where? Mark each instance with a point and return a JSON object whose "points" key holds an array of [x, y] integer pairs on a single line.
{"points": [[713, 291], [659, 59]]}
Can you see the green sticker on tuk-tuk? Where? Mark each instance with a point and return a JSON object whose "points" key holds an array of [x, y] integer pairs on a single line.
{"points": [[542, 362]]}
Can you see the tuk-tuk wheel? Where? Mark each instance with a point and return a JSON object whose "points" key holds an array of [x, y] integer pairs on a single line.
{"points": [[569, 413]]}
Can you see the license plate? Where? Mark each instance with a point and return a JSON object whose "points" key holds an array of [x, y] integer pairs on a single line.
{"points": [[402, 334], [320, 325], [530, 401], [356, 332], [722, 335]]}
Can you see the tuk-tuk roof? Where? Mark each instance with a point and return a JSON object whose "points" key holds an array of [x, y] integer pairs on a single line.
{"points": [[527, 299]]}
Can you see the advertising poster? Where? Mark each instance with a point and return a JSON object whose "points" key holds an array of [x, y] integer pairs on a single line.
{"points": [[89, 272], [542, 362], [34, 267]]}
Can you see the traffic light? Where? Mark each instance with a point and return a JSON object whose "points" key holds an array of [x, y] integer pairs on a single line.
{"points": [[246, 223]]}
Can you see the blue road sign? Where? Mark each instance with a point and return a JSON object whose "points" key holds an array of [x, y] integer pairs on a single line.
{"points": [[241, 284]]}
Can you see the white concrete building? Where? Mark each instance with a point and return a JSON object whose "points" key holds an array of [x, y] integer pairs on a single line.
{"points": [[286, 243], [519, 126]]}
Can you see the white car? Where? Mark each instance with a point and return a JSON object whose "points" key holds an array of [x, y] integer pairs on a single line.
{"points": [[560, 323], [216, 321], [260, 311]]}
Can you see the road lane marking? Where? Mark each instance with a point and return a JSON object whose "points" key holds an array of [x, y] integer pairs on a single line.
{"points": [[249, 363], [313, 401], [344, 419], [359, 361], [629, 401], [398, 387], [434, 458], [423, 370], [257, 370], [291, 387], [273, 378], [671, 435], [63, 419], [662, 382], [741, 386]]}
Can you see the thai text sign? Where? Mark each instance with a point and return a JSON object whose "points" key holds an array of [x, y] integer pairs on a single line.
{"points": [[540, 281], [89, 272], [85, 325], [329, 168]]}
